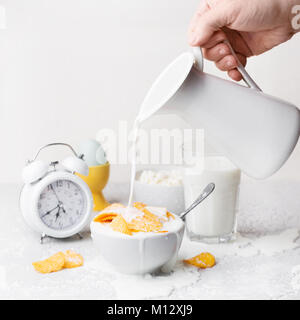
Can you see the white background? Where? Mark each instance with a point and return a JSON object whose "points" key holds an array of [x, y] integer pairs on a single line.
{"points": [[71, 67]]}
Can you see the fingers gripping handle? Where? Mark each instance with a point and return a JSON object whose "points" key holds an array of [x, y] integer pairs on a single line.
{"points": [[246, 77]]}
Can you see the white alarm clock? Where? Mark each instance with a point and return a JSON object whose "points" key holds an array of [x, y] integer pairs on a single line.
{"points": [[56, 202]]}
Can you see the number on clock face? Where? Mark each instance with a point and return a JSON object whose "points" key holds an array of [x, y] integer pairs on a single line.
{"points": [[61, 205]]}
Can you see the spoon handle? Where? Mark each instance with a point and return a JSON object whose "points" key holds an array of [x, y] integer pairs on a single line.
{"points": [[204, 194]]}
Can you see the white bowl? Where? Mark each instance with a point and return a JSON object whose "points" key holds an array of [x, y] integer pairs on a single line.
{"points": [[141, 253], [171, 197]]}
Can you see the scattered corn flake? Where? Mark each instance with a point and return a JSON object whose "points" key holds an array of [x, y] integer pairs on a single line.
{"points": [[203, 260], [119, 224], [73, 259], [51, 264]]}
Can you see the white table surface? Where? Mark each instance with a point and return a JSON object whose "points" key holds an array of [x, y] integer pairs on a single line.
{"points": [[264, 263]]}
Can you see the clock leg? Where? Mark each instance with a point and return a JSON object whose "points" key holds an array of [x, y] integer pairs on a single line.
{"points": [[80, 236], [43, 236]]}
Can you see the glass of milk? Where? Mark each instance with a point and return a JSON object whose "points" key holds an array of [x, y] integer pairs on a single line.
{"points": [[214, 220]]}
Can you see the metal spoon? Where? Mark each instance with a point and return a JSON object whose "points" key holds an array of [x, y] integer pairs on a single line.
{"points": [[205, 193]]}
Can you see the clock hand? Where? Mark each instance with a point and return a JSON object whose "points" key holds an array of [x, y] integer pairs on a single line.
{"points": [[60, 207], [57, 214], [55, 193], [48, 212], [60, 204]]}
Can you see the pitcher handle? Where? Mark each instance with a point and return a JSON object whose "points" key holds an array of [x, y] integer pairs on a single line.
{"points": [[198, 58], [245, 75]]}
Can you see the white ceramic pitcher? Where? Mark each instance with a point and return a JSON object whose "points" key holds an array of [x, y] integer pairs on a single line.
{"points": [[254, 130]]}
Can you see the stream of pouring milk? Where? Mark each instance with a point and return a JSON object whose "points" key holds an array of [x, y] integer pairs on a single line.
{"points": [[130, 210], [133, 160]]}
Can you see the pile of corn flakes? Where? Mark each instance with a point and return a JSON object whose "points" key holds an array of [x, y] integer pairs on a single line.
{"points": [[147, 222], [59, 261]]}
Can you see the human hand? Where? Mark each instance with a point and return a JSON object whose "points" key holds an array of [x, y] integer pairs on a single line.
{"points": [[251, 27]]}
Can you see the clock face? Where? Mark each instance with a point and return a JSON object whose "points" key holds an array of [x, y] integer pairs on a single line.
{"points": [[62, 205]]}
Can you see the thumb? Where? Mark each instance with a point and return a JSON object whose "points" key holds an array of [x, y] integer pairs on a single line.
{"points": [[212, 20]]}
